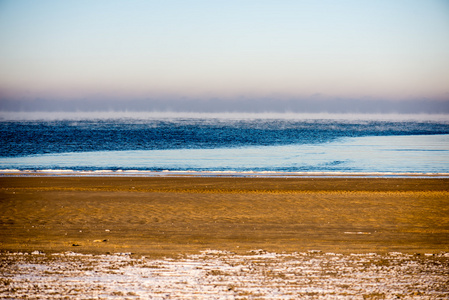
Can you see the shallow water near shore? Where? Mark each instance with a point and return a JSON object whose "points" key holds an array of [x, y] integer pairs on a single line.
{"points": [[394, 154]]}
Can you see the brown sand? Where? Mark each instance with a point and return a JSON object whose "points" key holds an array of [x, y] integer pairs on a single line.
{"points": [[172, 215]]}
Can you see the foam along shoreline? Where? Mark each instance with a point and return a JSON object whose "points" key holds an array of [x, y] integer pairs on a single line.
{"points": [[249, 174]]}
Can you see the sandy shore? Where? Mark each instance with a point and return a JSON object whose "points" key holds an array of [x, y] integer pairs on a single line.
{"points": [[168, 216], [223, 238]]}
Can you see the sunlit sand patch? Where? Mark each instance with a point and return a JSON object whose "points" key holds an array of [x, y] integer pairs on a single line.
{"points": [[225, 275]]}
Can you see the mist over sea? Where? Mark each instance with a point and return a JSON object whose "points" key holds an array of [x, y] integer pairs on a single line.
{"points": [[214, 143]]}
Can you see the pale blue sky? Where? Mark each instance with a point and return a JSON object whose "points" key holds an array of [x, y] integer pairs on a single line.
{"points": [[204, 49]]}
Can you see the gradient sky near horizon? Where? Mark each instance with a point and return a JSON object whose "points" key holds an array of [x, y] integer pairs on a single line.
{"points": [[203, 49]]}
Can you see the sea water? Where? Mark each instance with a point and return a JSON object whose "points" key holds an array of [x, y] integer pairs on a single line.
{"points": [[149, 143]]}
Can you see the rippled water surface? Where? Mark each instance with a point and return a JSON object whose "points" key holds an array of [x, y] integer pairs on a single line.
{"points": [[232, 143]]}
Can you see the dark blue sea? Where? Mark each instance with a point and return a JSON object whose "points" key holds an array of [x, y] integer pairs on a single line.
{"points": [[163, 143]]}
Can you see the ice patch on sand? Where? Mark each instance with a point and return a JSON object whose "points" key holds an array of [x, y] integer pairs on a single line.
{"points": [[216, 274]]}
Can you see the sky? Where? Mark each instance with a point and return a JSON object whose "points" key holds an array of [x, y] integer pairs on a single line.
{"points": [[270, 55]]}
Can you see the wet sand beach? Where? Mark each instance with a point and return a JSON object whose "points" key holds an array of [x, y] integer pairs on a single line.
{"points": [[171, 215]]}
